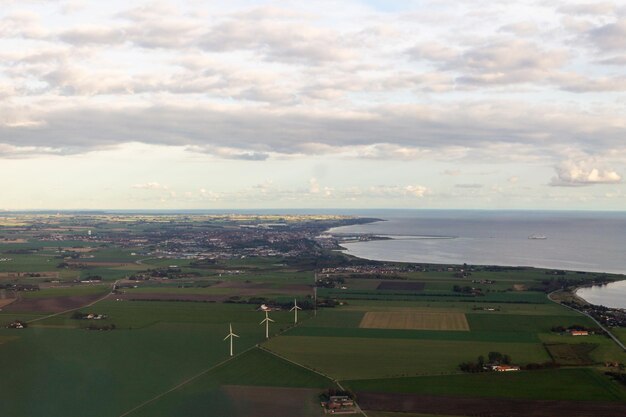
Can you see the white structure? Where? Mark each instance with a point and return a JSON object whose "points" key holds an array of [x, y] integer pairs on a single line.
{"points": [[231, 335], [267, 320], [295, 309]]}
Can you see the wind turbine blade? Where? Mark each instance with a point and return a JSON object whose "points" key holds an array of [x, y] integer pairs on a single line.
{"points": [[226, 337], [235, 335], [270, 320]]}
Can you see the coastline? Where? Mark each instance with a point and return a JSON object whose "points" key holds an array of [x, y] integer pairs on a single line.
{"points": [[368, 237]]}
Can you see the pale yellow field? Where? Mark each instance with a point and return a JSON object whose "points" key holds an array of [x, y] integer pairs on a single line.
{"points": [[414, 320]]}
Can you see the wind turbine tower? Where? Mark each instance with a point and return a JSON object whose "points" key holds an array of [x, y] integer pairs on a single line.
{"points": [[231, 335], [267, 320], [295, 309]]}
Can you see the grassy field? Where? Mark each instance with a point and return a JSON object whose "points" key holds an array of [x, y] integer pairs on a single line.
{"points": [[519, 323], [406, 335], [80, 370], [354, 358], [452, 335], [563, 384], [204, 396], [620, 333]]}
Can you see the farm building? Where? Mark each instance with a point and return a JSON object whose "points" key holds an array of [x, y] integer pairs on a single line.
{"points": [[579, 333], [339, 404], [17, 325], [505, 368]]}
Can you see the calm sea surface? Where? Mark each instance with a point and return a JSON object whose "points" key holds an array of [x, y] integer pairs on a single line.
{"points": [[580, 241], [584, 241]]}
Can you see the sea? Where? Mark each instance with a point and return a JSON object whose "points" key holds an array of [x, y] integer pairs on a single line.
{"points": [[592, 241], [569, 240]]}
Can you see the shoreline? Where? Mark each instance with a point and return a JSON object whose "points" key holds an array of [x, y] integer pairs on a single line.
{"points": [[373, 237]]}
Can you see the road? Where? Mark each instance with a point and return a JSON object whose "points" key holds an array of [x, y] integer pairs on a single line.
{"points": [[615, 339]]}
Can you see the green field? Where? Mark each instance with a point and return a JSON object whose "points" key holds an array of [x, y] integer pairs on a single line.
{"points": [[169, 359], [564, 384], [355, 358], [203, 397], [519, 323], [483, 336], [72, 369]]}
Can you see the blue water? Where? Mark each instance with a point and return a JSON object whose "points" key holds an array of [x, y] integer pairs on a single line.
{"points": [[580, 241]]}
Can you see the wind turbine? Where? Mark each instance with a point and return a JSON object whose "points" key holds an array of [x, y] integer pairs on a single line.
{"points": [[295, 309], [231, 335], [267, 320]]}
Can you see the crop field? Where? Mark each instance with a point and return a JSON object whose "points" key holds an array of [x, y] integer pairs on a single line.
{"points": [[355, 358], [73, 369], [396, 334], [521, 323], [452, 335], [571, 353], [492, 407], [620, 334], [562, 384], [401, 286], [414, 320], [253, 373], [5, 302], [543, 309]]}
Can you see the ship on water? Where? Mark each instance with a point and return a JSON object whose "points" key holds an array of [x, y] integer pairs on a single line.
{"points": [[538, 237]]}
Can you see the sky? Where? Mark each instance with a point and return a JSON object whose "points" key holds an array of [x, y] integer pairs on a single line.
{"points": [[323, 104]]}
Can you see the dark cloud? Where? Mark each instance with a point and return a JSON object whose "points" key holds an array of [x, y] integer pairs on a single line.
{"points": [[254, 133]]}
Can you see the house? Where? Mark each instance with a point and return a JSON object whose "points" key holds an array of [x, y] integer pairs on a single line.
{"points": [[17, 325], [339, 404], [579, 333], [505, 368]]}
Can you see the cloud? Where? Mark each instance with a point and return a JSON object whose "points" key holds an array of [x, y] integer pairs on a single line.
{"points": [[89, 35], [610, 36], [591, 8], [507, 62], [521, 28], [314, 186], [277, 38], [583, 172], [150, 186], [475, 186], [416, 190]]}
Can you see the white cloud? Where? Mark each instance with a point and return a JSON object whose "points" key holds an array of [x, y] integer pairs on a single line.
{"points": [[150, 186], [584, 172], [314, 186]]}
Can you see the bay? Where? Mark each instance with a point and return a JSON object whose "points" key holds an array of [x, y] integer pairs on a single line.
{"points": [[574, 240]]}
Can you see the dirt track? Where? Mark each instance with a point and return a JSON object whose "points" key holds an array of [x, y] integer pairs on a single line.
{"points": [[487, 407]]}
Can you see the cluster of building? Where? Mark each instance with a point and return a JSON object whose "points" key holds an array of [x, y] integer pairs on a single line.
{"points": [[502, 368], [339, 404], [17, 324], [610, 317]]}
